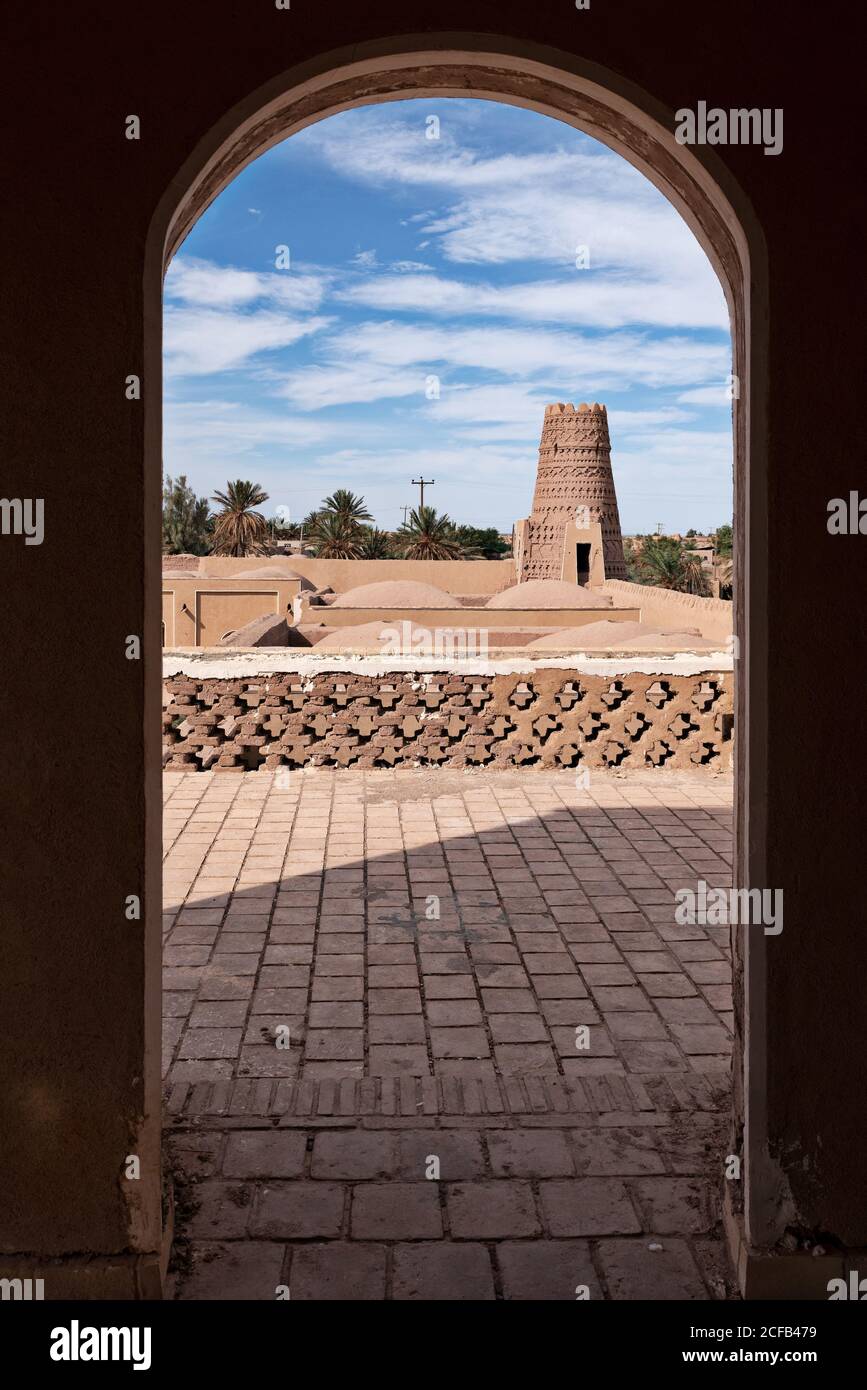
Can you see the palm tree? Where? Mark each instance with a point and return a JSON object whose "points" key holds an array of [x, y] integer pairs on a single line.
{"points": [[350, 509], [428, 536], [375, 544], [334, 539], [239, 530], [664, 562], [724, 576]]}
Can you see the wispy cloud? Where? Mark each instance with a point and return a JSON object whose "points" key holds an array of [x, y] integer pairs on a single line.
{"points": [[375, 360], [585, 299], [199, 342], [531, 206], [192, 280]]}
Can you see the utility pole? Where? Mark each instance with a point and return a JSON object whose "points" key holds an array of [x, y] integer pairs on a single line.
{"points": [[423, 483], [404, 510], [659, 528]]}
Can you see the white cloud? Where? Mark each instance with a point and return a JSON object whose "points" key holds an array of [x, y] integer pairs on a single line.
{"points": [[534, 206], [206, 284], [338, 383], [375, 360], [585, 298], [200, 341], [207, 428], [709, 395]]}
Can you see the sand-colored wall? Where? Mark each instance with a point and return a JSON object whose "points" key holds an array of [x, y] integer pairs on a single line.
{"points": [[666, 608], [575, 535], [198, 612], [462, 619], [455, 576]]}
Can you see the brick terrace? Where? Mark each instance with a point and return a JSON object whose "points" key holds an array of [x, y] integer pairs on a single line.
{"points": [[307, 904]]}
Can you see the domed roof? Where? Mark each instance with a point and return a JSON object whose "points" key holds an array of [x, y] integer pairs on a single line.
{"points": [[671, 642], [549, 593], [628, 637], [269, 572], [395, 593], [369, 637], [591, 637]]}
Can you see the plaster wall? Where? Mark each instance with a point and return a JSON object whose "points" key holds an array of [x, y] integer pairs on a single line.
{"points": [[714, 617]]}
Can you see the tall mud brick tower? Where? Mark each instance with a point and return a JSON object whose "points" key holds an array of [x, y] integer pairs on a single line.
{"points": [[574, 472]]}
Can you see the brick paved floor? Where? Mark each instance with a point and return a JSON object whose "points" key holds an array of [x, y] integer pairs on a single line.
{"points": [[432, 941], [442, 922]]}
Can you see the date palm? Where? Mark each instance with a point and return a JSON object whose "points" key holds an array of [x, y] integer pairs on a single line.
{"points": [[334, 539], [239, 529], [375, 544], [429, 536], [346, 506], [662, 561]]}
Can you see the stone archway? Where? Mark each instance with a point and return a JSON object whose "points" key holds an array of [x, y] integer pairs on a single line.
{"points": [[631, 123]]}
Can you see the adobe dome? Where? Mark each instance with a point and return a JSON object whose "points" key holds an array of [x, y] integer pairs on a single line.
{"points": [[672, 642], [372, 637], [269, 572], [549, 593], [592, 637], [629, 637], [395, 593]]}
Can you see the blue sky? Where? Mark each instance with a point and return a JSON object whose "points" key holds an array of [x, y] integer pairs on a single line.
{"points": [[446, 265]]}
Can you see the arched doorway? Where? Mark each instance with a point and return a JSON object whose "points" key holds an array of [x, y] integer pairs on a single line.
{"points": [[631, 123]]}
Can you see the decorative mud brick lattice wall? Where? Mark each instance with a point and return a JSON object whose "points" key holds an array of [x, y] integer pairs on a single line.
{"points": [[547, 718]]}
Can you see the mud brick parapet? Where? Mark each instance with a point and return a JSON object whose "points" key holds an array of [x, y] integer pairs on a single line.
{"points": [[546, 718]]}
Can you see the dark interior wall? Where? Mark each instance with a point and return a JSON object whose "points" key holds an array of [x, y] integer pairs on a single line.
{"points": [[78, 202]]}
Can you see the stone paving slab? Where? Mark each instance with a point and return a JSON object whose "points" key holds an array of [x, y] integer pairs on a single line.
{"points": [[471, 926], [631, 1211]]}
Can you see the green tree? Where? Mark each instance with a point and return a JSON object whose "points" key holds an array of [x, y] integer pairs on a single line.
{"points": [[723, 539], [663, 561], [334, 538], [429, 536], [486, 542], [348, 507], [185, 519], [375, 544], [279, 530], [239, 529]]}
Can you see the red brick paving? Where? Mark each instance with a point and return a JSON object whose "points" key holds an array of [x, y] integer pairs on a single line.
{"points": [[310, 907], [431, 1131]]}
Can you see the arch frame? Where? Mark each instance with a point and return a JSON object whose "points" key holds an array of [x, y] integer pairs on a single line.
{"points": [[634, 124]]}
